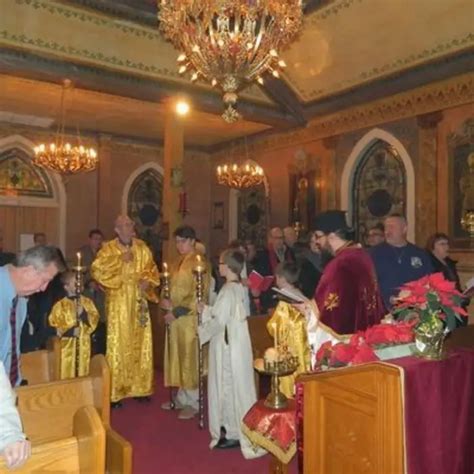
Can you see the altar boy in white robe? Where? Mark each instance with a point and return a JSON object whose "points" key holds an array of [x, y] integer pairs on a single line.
{"points": [[231, 384]]}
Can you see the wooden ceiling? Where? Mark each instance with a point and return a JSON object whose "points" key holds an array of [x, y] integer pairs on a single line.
{"points": [[349, 52]]}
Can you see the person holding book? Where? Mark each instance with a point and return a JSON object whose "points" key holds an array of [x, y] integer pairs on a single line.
{"points": [[231, 383], [290, 324], [75, 318], [266, 262], [348, 294], [437, 247]]}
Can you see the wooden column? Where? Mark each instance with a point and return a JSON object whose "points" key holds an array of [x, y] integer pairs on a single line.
{"points": [[330, 184], [173, 178], [426, 177], [105, 217]]}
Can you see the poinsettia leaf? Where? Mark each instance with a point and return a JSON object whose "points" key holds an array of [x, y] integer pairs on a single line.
{"points": [[432, 298], [450, 319]]}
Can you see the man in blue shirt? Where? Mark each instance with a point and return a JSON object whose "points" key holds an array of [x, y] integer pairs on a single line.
{"points": [[34, 269], [396, 260]]}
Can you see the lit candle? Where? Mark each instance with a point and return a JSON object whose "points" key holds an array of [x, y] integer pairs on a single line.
{"points": [[165, 268], [78, 259], [275, 335], [198, 259]]}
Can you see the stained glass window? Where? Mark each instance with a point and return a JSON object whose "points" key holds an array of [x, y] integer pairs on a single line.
{"points": [[379, 187], [145, 200], [252, 212], [18, 177]]}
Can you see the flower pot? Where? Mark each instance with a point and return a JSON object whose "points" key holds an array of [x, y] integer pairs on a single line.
{"points": [[429, 338]]}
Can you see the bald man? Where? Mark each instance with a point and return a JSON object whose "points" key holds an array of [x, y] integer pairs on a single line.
{"points": [[124, 267]]}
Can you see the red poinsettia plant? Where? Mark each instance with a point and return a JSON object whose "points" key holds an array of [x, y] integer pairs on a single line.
{"points": [[430, 297], [360, 347]]}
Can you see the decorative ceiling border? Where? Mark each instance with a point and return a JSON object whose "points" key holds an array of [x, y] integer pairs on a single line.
{"points": [[397, 66], [453, 92], [114, 61], [84, 54], [71, 12], [332, 9]]}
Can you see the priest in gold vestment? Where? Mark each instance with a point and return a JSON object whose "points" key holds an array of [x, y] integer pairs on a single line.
{"points": [[75, 320], [290, 325], [125, 268], [181, 351]]}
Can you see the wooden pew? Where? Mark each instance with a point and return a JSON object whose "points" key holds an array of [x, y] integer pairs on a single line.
{"points": [[83, 452], [47, 411], [43, 365], [353, 421]]}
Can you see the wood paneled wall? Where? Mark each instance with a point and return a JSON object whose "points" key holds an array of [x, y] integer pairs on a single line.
{"points": [[28, 220]]}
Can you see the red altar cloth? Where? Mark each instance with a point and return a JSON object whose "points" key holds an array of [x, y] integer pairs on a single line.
{"points": [[273, 430], [439, 413]]}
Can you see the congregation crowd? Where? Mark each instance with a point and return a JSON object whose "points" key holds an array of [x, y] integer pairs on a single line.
{"points": [[339, 285]]}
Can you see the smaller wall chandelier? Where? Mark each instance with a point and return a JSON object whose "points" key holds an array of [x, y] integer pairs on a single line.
{"points": [[240, 176], [60, 155], [230, 43]]}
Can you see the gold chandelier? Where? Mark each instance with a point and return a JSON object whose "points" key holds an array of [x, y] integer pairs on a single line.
{"points": [[230, 42], [245, 175], [60, 155]]}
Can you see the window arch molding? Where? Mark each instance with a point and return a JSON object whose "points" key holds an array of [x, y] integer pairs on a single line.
{"points": [[353, 161], [131, 179], [59, 199]]}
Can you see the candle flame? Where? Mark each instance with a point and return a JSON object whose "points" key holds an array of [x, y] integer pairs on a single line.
{"points": [[165, 267]]}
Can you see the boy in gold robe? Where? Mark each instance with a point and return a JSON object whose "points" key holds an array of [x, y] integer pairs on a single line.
{"points": [[75, 319], [290, 325], [125, 268], [181, 350]]}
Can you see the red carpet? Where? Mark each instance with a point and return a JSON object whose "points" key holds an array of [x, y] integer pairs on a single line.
{"points": [[164, 444]]}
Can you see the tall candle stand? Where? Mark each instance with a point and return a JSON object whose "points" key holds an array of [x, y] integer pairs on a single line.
{"points": [[165, 281], [199, 272], [79, 271]]}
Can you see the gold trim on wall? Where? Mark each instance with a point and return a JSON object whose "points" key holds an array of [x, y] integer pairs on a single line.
{"points": [[452, 92]]}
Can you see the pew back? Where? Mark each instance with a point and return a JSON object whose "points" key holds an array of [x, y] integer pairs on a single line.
{"points": [[83, 453], [47, 410], [44, 365]]}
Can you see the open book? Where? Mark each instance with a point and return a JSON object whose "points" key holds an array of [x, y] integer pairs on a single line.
{"points": [[259, 282], [287, 295], [469, 291]]}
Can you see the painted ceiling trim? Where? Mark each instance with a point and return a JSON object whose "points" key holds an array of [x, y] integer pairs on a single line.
{"points": [[146, 54]]}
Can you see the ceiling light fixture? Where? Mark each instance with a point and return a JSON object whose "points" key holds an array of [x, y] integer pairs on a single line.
{"points": [[230, 43]]}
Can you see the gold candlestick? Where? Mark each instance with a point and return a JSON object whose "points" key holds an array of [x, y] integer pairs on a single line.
{"points": [[199, 273], [165, 281], [79, 271]]}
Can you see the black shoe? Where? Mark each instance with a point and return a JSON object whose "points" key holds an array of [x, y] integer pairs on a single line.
{"points": [[115, 405], [143, 399], [225, 443]]}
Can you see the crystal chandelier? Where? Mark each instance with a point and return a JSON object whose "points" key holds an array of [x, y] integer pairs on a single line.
{"points": [[230, 42], [60, 155]]}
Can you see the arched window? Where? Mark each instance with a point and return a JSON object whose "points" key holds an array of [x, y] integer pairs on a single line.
{"points": [[18, 177], [379, 187], [31, 199], [144, 206]]}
